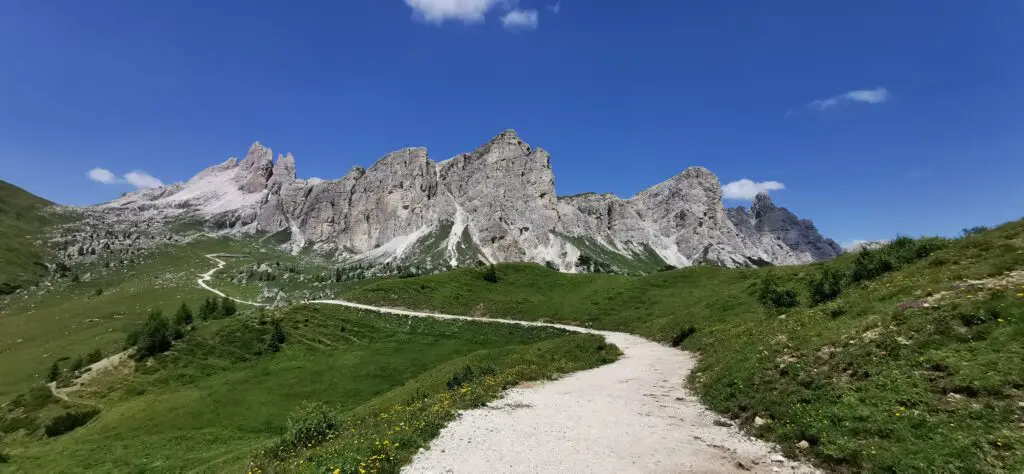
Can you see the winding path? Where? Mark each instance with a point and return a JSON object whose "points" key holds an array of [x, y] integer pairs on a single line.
{"points": [[633, 415]]}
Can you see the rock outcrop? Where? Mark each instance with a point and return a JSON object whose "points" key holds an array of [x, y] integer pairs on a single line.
{"points": [[496, 203], [765, 219]]}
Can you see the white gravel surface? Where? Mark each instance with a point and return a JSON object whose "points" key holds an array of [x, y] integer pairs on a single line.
{"points": [[631, 416]]}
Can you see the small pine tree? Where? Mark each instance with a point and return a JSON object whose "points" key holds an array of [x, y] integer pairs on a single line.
{"points": [[227, 306], [278, 335], [76, 364], [208, 309], [183, 317], [337, 275], [155, 337], [54, 373]]}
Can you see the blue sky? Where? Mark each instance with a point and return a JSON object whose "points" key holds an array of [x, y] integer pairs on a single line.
{"points": [[878, 117]]}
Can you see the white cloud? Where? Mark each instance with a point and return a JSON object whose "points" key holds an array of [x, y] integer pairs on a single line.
{"points": [[438, 11], [142, 180], [101, 175], [747, 189], [314, 180], [139, 179], [557, 7], [521, 20], [868, 96]]}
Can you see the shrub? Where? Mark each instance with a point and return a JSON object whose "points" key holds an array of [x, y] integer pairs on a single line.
{"points": [[467, 374], [4, 457], [183, 317], [683, 335], [491, 274], [54, 373], [835, 309], [208, 309], [871, 264], [773, 294], [826, 285], [590, 264], [551, 265], [973, 230], [98, 292], [76, 364], [93, 357], [278, 335], [311, 424], [227, 306], [155, 337], [68, 421]]}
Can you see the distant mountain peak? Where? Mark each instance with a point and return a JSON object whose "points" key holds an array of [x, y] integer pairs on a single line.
{"points": [[496, 203]]}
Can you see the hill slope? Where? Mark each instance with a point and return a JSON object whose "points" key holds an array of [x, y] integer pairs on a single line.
{"points": [[21, 224], [917, 364]]}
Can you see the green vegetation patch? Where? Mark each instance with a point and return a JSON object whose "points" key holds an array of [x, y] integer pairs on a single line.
{"points": [[22, 237], [231, 385], [903, 359]]}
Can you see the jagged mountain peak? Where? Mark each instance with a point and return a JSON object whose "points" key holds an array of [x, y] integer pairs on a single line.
{"points": [[496, 203], [762, 205]]}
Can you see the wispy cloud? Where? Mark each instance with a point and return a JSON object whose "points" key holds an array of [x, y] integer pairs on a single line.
{"points": [[869, 96], [521, 20], [102, 175], [557, 7], [139, 179], [142, 180], [746, 189], [439, 11]]}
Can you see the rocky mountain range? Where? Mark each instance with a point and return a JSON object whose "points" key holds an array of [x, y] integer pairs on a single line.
{"points": [[494, 204]]}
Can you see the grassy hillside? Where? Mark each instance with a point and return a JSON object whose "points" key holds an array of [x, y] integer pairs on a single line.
{"points": [[218, 396], [223, 399], [21, 226], [916, 365]]}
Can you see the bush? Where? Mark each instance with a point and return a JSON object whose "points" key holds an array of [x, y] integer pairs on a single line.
{"points": [[208, 309], [826, 286], [491, 274], [54, 373], [773, 294], [683, 335], [68, 421], [4, 457], [76, 364], [973, 230], [278, 335], [183, 317], [227, 306], [871, 264], [551, 265], [93, 357], [155, 337], [468, 374], [311, 424]]}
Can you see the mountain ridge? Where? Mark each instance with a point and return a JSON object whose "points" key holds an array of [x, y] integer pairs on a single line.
{"points": [[496, 203]]}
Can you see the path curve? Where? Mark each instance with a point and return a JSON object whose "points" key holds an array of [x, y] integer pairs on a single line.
{"points": [[631, 416]]}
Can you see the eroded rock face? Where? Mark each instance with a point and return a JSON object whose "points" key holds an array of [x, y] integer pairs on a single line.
{"points": [[507, 190], [766, 219], [496, 203]]}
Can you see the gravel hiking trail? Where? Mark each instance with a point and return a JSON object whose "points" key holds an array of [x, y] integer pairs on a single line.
{"points": [[634, 415]]}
